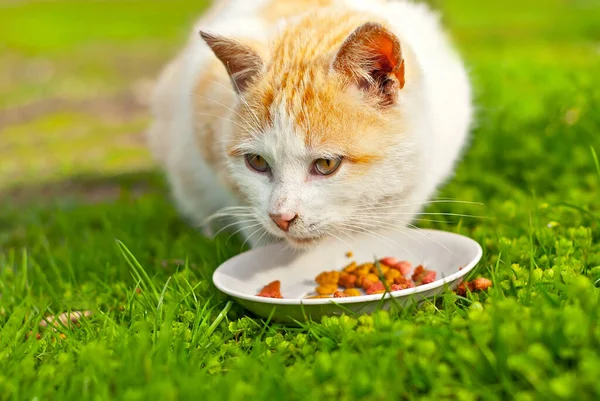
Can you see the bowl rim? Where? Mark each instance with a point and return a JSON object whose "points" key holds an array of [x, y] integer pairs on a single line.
{"points": [[348, 300]]}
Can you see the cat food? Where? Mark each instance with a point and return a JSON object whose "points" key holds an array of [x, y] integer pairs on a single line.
{"points": [[271, 290], [479, 284], [354, 277], [395, 276]]}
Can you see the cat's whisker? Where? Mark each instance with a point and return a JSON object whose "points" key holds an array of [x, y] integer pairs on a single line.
{"points": [[373, 234], [366, 214], [390, 226], [339, 239], [241, 229], [233, 224], [395, 204], [254, 232], [240, 97], [423, 233], [238, 89], [246, 129], [222, 215], [251, 125]]}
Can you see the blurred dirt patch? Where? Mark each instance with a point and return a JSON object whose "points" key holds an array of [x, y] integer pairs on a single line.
{"points": [[86, 189], [118, 107]]}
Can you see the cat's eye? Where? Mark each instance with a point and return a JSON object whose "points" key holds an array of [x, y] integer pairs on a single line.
{"points": [[326, 166], [257, 163]]}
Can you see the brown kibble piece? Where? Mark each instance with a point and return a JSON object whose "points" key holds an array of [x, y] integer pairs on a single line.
{"points": [[403, 282], [347, 280]]}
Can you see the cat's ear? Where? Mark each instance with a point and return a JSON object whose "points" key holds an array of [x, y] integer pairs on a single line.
{"points": [[242, 62], [372, 57]]}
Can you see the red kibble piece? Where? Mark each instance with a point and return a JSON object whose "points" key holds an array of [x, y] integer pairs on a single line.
{"points": [[428, 277], [423, 276], [389, 261], [376, 288], [403, 267], [271, 290], [339, 294]]}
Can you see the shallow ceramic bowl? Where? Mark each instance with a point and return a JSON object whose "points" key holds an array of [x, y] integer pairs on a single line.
{"points": [[451, 255]]}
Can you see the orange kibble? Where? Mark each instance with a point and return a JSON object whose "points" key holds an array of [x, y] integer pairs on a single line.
{"points": [[362, 270], [271, 290], [319, 296], [328, 278], [481, 284], [339, 294], [352, 292], [347, 280], [392, 274], [349, 254], [351, 268], [326, 289], [372, 277]]}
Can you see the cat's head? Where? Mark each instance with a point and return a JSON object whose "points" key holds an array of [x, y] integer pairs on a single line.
{"points": [[321, 147]]}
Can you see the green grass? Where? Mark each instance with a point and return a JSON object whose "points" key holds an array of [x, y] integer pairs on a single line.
{"points": [[78, 233]]}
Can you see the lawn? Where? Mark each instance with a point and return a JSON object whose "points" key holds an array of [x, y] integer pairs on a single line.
{"points": [[86, 224]]}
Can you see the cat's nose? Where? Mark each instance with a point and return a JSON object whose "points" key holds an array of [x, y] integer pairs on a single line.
{"points": [[283, 220]]}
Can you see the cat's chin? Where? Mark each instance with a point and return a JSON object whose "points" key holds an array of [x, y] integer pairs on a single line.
{"points": [[303, 242]]}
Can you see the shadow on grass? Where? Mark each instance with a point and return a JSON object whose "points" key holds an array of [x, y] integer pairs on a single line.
{"points": [[84, 189]]}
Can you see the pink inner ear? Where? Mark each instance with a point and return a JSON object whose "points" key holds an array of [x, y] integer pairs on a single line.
{"points": [[390, 58]]}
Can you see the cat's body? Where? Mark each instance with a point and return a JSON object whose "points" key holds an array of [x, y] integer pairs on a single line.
{"points": [[374, 85]]}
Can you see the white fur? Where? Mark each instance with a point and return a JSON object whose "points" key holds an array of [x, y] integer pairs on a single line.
{"points": [[438, 114]]}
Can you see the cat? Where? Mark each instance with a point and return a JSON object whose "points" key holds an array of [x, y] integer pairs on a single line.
{"points": [[311, 120]]}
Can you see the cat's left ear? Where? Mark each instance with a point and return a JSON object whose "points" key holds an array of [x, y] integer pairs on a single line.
{"points": [[372, 57], [242, 62]]}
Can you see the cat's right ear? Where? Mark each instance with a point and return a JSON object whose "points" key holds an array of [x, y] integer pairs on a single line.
{"points": [[241, 61], [372, 58]]}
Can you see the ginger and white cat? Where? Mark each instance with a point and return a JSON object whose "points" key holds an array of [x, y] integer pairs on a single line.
{"points": [[308, 120]]}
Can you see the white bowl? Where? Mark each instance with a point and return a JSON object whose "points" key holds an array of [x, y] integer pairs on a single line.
{"points": [[451, 255]]}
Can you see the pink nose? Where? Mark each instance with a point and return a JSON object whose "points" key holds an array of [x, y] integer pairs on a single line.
{"points": [[283, 220]]}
